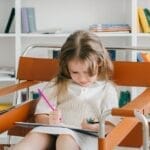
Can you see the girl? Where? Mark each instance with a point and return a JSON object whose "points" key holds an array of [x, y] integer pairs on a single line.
{"points": [[81, 90]]}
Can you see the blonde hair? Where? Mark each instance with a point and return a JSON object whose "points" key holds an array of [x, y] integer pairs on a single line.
{"points": [[86, 47]]}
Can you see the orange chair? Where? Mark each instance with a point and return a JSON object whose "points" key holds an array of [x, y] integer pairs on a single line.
{"points": [[33, 71], [129, 131]]}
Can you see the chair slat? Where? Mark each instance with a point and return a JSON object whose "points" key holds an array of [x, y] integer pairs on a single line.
{"points": [[132, 73]]}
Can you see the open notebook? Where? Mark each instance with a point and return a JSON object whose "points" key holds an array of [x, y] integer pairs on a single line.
{"points": [[55, 129]]}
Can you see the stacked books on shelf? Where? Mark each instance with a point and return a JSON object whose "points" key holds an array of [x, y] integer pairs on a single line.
{"points": [[144, 20], [110, 28], [6, 71], [33, 95], [28, 20], [4, 107]]}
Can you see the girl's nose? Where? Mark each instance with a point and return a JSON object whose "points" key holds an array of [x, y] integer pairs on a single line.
{"points": [[83, 79]]}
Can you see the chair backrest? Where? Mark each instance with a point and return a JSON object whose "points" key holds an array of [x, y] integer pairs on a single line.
{"points": [[44, 69], [132, 73], [37, 69]]}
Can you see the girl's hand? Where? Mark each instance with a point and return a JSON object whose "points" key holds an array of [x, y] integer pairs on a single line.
{"points": [[55, 117], [86, 125]]}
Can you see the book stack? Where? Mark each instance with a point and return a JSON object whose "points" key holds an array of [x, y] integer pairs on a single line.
{"points": [[33, 95], [110, 28], [28, 20], [144, 19]]}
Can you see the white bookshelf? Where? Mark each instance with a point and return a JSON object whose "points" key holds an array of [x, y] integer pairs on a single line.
{"points": [[69, 16]]}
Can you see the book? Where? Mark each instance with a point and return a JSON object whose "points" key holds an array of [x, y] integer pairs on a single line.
{"points": [[56, 54], [61, 128], [28, 20], [139, 57], [125, 97], [147, 14], [112, 54], [139, 28], [143, 21], [10, 20], [31, 19], [24, 20], [5, 108]]}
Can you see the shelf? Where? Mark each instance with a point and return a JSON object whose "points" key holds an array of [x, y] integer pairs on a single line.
{"points": [[7, 35], [8, 79], [143, 35], [44, 35], [65, 35]]}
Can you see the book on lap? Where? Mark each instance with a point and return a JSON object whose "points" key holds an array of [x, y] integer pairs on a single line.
{"points": [[56, 129]]}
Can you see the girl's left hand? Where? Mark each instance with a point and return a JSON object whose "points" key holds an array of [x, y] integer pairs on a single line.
{"points": [[86, 125]]}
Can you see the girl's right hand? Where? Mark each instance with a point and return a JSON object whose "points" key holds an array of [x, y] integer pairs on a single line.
{"points": [[89, 126], [55, 117]]}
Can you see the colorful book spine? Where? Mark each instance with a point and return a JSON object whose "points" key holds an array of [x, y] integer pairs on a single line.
{"points": [[147, 14], [24, 20], [112, 54], [10, 20], [143, 20], [56, 54], [28, 20], [32, 20]]}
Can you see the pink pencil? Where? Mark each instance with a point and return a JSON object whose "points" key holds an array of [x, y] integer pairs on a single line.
{"points": [[46, 100]]}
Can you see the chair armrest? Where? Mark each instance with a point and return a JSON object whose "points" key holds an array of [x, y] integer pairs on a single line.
{"points": [[16, 87]]}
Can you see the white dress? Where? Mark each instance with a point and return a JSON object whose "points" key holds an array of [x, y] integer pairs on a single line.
{"points": [[84, 102]]}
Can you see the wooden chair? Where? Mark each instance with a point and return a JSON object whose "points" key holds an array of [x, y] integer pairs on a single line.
{"points": [[32, 71]]}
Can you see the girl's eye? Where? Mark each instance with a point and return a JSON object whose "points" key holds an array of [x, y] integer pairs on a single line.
{"points": [[74, 72]]}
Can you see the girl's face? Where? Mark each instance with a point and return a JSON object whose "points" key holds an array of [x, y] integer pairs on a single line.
{"points": [[79, 73]]}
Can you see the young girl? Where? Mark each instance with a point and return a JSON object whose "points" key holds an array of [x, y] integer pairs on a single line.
{"points": [[81, 90]]}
